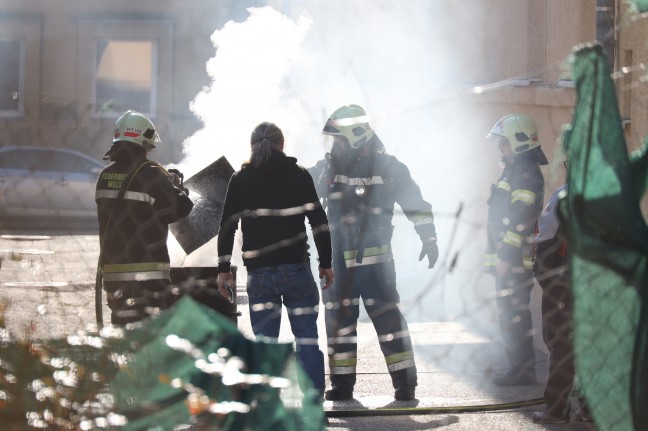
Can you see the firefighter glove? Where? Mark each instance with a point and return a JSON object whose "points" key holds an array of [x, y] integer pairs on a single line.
{"points": [[177, 178], [431, 250]]}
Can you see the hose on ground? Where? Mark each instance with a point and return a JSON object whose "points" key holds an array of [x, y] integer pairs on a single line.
{"points": [[432, 410]]}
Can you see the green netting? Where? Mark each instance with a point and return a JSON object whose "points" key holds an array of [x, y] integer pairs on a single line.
{"points": [[189, 368], [609, 250], [641, 5]]}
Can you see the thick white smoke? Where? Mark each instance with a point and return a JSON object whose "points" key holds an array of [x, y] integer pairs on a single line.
{"points": [[400, 61], [251, 83]]}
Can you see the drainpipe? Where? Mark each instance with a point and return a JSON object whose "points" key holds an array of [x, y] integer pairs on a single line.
{"points": [[606, 28]]}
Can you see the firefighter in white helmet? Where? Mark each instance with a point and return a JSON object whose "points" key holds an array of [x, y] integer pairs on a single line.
{"points": [[514, 207], [136, 201], [361, 184]]}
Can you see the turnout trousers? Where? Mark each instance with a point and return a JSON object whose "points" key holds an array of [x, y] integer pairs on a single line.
{"points": [[132, 301], [513, 300], [376, 285]]}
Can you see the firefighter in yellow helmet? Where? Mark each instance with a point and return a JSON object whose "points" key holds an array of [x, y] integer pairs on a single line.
{"points": [[514, 207], [136, 201], [361, 184]]}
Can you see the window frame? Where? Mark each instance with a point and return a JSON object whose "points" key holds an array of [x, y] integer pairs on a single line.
{"points": [[20, 111], [151, 112], [160, 32], [27, 31]]}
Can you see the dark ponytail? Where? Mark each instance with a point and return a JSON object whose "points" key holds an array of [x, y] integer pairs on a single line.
{"points": [[266, 137]]}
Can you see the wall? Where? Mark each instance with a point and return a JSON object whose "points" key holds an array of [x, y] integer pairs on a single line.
{"points": [[504, 39]]}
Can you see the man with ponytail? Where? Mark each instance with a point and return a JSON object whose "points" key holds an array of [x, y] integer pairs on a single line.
{"points": [[272, 196]]}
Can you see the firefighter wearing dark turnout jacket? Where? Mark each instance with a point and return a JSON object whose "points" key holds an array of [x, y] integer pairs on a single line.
{"points": [[514, 207], [133, 227], [361, 184]]}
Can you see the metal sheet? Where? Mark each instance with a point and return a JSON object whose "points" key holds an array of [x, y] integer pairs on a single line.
{"points": [[207, 190]]}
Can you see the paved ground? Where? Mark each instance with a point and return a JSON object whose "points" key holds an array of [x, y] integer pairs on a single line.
{"points": [[48, 283]]}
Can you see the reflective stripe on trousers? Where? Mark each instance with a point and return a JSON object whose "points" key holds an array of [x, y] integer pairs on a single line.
{"points": [[137, 271], [400, 361], [343, 363]]}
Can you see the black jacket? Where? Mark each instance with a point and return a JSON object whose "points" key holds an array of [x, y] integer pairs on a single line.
{"points": [[136, 230], [272, 202]]}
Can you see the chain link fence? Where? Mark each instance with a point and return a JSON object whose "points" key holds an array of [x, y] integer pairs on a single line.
{"points": [[51, 356]]}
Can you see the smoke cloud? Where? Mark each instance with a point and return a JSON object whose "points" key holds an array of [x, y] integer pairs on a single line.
{"points": [[406, 64]]}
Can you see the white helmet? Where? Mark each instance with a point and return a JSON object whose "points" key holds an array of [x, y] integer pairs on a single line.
{"points": [[350, 122], [136, 128], [521, 133]]}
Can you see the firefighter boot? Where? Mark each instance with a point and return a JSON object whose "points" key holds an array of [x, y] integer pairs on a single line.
{"points": [[517, 376], [341, 387], [404, 382], [338, 394]]}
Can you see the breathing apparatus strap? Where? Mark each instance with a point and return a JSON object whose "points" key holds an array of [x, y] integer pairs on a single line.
{"points": [[99, 276]]}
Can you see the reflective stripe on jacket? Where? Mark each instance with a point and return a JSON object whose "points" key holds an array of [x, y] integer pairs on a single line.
{"points": [[514, 207]]}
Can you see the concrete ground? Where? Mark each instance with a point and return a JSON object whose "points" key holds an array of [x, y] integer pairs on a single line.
{"points": [[48, 282]]}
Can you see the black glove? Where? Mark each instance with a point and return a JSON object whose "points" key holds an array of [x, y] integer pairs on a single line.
{"points": [[430, 249], [177, 179]]}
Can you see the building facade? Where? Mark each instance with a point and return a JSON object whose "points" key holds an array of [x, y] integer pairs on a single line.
{"points": [[531, 72], [71, 67]]}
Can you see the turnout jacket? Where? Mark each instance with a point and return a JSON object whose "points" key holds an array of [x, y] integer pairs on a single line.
{"points": [[513, 209], [272, 203], [361, 195], [550, 241], [133, 234]]}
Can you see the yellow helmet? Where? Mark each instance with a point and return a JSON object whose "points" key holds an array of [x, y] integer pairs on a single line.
{"points": [[351, 122], [136, 128], [520, 131]]}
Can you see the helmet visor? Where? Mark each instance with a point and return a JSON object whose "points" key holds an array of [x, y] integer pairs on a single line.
{"points": [[327, 141], [334, 126], [497, 139], [330, 128]]}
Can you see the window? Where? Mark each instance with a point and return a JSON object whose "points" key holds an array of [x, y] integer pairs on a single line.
{"points": [[20, 60], [125, 64], [606, 27], [11, 76], [125, 76]]}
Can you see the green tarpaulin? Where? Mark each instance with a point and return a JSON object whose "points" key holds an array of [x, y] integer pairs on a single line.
{"points": [[189, 368], [608, 250], [642, 5]]}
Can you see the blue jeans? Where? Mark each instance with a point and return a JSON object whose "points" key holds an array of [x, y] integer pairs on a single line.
{"points": [[294, 286]]}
